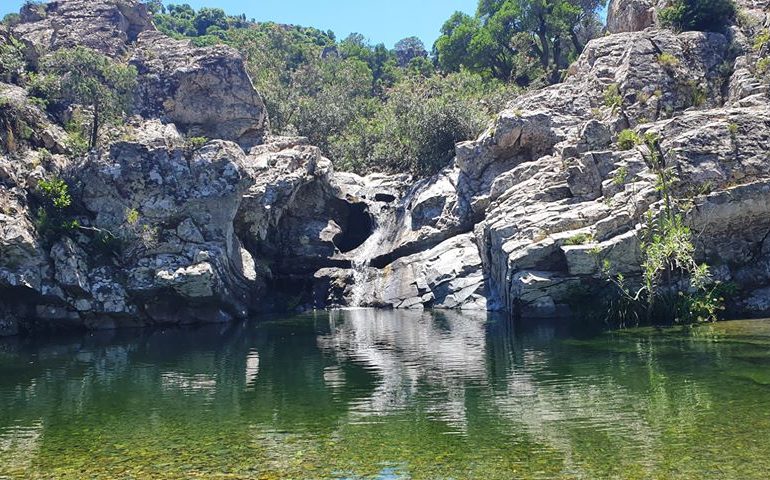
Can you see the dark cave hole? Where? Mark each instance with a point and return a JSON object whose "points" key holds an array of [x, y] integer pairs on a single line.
{"points": [[384, 197], [356, 228]]}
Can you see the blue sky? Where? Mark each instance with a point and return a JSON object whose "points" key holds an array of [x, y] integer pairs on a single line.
{"points": [[380, 21]]}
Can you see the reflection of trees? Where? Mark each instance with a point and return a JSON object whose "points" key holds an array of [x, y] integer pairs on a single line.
{"points": [[286, 385], [587, 398]]}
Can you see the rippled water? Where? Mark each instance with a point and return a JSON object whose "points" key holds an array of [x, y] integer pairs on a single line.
{"points": [[388, 395]]}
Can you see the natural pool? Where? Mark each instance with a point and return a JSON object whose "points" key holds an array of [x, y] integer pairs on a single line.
{"points": [[388, 395]]}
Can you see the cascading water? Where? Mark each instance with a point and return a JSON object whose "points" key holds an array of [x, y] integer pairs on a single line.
{"points": [[363, 255]]}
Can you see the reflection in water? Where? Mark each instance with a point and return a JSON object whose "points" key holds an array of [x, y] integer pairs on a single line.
{"points": [[381, 394], [441, 352]]}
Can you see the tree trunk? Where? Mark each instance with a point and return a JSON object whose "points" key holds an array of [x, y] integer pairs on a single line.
{"points": [[95, 128], [545, 53], [576, 42]]}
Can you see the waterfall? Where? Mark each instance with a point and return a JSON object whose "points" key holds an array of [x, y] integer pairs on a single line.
{"points": [[361, 258], [358, 290]]}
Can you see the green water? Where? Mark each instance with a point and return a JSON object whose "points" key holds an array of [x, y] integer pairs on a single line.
{"points": [[388, 395]]}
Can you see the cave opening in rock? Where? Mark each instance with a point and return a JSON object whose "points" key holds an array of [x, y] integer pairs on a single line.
{"points": [[356, 227], [385, 198]]}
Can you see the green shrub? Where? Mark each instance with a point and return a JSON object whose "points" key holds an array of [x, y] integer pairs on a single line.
{"points": [[621, 176], [580, 239], [81, 76], [673, 288], [762, 40], [56, 191], [703, 15], [132, 216], [11, 19], [417, 128], [612, 97], [668, 61], [12, 62], [763, 65], [194, 143], [52, 219], [628, 139]]}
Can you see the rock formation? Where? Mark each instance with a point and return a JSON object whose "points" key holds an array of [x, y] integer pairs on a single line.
{"points": [[206, 92], [172, 230], [109, 26]]}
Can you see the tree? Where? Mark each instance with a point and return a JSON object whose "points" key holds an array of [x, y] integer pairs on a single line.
{"points": [[11, 19], [86, 77], [210, 17], [417, 128], [155, 6], [452, 48], [408, 49], [705, 15], [505, 35]]}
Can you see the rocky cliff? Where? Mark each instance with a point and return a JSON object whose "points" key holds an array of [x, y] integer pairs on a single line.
{"points": [[172, 231]]}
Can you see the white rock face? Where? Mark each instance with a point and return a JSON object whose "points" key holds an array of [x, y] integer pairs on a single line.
{"points": [[630, 15], [108, 26], [526, 216], [204, 91]]}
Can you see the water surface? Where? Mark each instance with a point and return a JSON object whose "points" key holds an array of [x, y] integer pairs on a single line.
{"points": [[388, 395]]}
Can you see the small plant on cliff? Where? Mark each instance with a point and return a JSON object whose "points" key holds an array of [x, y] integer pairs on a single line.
{"points": [[673, 286], [762, 40], [194, 143], [88, 78], [763, 65], [668, 61], [12, 62], [628, 139], [56, 191], [621, 176], [612, 97], [51, 218], [580, 239]]}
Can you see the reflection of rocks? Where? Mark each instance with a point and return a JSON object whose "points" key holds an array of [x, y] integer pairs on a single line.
{"points": [[408, 349]]}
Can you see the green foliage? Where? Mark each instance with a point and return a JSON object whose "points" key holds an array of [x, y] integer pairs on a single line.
{"points": [[674, 287], [366, 107], [580, 239], [612, 97], [85, 77], [194, 143], [132, 216], [12, 62], [11, 19], [208, 18], [621, 176], [628, 139], [762, 40], [697, 95], [668, 61], [704, 15], [52, 219], [409, 49], [763, 65], [417, 128], [56, 191], [519, 40], [77, 140]]}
